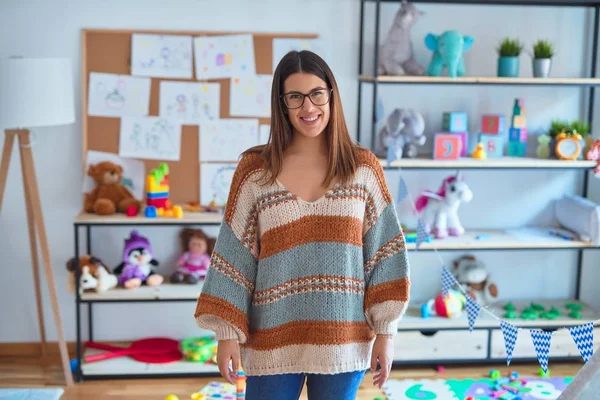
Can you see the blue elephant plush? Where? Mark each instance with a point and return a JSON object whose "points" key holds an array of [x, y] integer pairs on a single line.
{"points": [[448, 49]]}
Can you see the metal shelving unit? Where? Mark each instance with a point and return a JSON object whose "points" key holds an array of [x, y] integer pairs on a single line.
{"points": [[426, 329], [124, 367]]}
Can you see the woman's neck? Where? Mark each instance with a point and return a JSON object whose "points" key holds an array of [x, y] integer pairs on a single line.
{"points": [[308, 146]]}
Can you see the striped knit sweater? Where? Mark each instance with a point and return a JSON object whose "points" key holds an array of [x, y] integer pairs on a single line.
{"points": [[306, 286]]}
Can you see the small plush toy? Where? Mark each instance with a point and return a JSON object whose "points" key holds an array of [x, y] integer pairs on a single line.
{"points": [[474, 277], [110, 195], [193, 263], [397, 55], [593, 154], [440, 209], [404, 129], [138, 266], [448, 49], [93, 275]]}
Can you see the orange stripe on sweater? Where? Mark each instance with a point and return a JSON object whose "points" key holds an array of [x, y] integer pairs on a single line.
{"points": [[397, 290], [309, 229], [211, 305], [310, 332]]}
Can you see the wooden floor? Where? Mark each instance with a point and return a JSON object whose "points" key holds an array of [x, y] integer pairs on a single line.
{"points": [[26, 374]]}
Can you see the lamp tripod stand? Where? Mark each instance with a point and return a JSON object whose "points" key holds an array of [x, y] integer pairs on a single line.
{"points": [[35, 222]]}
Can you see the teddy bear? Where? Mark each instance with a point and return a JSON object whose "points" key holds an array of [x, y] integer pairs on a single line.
{"points": [[93, 275], [110, 195], [472, 274]]}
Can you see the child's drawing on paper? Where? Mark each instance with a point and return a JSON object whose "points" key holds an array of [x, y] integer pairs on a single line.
{"points": [[111, 95], [190, 103], [215, 181], [226, 139], [166, 56], [250, 96], [224, 56], [154, 138]]}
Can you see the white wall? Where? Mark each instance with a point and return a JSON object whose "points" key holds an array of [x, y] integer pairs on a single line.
{"points": [[502, 199]]}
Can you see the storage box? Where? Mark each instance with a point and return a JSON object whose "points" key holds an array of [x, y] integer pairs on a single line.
{"points": [[454, 122], [579, 215]]}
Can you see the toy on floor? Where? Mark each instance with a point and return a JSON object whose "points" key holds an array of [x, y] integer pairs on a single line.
{"points": [[93, 275], [404, 129], [218, 390], [396, 54], [157, 195], [193, 263], [449, 306], [110, 195], [440, 209], [138, 266], [472, 274], [448, 49]]}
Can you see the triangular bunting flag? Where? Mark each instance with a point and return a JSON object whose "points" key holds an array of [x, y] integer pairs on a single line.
{"points": [[421, 234], [541, 343], [447, 280], [583, 336], [472, 311], [510, 334], [402, 189]]}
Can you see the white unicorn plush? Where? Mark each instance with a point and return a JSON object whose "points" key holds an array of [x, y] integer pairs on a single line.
{"points": [[439, 209]]}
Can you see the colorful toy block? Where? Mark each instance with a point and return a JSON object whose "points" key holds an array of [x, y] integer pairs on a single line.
{"points": [[454, 122], [492, 124], [517, 134], [464, 139], [447, 146], [519, 121], [157, 193], [493, 144], [517, 149]]}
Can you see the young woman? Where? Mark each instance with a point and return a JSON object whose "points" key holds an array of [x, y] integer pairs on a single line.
{"points": [[309, 276]]}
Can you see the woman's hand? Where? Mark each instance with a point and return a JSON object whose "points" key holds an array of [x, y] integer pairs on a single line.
{"points": [[228, 350], [383, 351]]}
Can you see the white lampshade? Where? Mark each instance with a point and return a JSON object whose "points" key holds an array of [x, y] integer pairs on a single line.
{"points": [[36, 92]]}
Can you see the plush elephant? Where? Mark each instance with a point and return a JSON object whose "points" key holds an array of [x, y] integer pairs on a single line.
{"points": [[404, 130], [448, 49]]}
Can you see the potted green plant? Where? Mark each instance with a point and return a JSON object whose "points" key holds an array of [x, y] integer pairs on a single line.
{"points": [[543, 51], [583, 128], [508, 60]]}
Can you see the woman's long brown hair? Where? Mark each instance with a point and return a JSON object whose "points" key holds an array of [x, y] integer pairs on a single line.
{"points": [[343, 152]]}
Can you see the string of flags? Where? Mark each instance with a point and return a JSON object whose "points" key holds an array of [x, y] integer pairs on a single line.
{"points": [[582, 335]]}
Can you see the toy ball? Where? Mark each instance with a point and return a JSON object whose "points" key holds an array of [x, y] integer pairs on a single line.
{"points": [[451, 305], [150, 212], [171, 397], [131, 211]]}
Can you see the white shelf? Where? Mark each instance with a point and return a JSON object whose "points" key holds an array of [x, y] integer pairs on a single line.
{"points": [[491, 163], [129, 366], [524, 238], [189, 218], [166, 291], [486, 80], [412, 319]]}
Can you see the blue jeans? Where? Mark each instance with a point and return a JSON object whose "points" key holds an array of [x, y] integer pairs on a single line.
{"points": [[342, 386]]}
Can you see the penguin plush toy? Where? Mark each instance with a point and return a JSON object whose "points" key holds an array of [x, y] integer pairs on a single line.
{"points": [[138, 266]]}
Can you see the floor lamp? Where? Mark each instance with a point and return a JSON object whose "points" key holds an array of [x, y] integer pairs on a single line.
{"points": [[35, 92]]}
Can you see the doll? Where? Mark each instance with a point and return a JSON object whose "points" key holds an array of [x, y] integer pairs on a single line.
{"points": [[192, 265], [138, 266]]}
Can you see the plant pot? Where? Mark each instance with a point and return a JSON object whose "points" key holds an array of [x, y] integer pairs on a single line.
{"points": [[508, 67], [541, 67]]}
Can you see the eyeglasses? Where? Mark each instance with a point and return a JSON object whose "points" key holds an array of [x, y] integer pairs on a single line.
{"points": [[319, 97]]}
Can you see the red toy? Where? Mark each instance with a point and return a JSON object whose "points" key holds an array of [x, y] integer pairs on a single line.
{"points": [[593, 154]]}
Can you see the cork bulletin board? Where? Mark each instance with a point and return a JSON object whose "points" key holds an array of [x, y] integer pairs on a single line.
{"points": [[109, 51]]}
